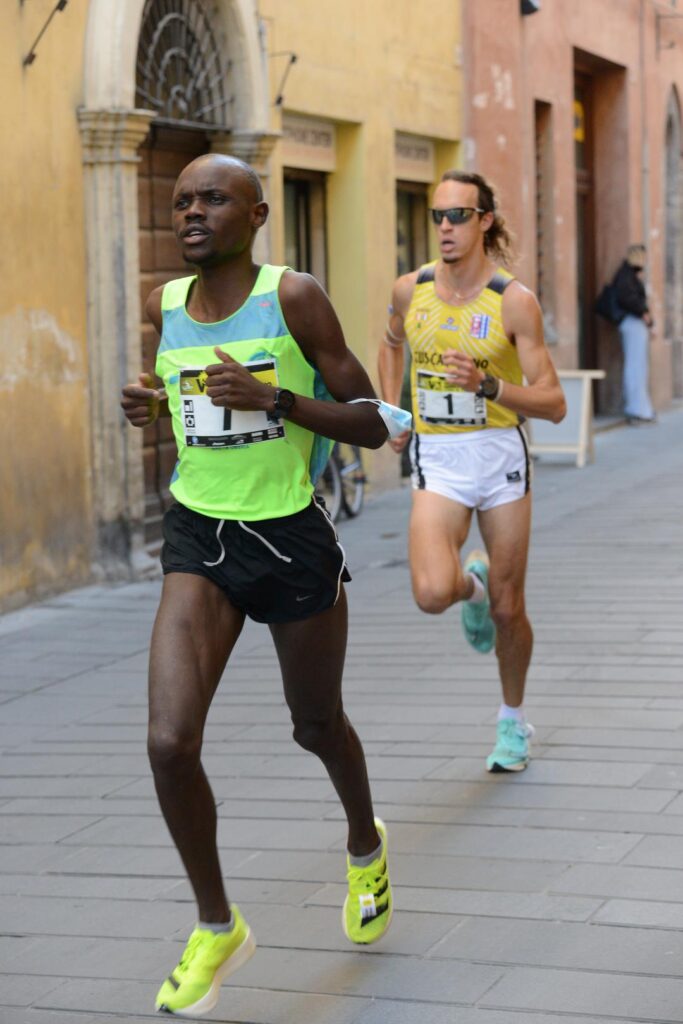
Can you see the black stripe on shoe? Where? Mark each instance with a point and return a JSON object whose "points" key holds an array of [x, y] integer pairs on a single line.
{"points": [[378, 913]]}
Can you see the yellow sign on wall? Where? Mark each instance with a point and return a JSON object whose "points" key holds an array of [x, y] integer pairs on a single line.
{"points": [[579, 122]]}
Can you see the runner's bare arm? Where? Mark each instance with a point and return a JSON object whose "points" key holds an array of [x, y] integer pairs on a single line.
{"points": [[143, 403], [542, 397], [312, 321], [391, 359]]}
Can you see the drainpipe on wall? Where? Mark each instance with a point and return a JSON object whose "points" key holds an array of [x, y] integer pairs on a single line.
{"points": [[468, 149], [644, 148]]}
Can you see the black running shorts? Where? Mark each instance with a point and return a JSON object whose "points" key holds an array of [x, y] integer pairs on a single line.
{"points": [[275, 570]]}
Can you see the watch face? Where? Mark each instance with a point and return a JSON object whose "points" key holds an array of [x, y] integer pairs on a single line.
{"points": [[489, 386], [284, 400]]}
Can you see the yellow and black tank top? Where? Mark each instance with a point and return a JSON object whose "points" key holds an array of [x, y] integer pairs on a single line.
{"points": [[475, 328], [234, 464]]}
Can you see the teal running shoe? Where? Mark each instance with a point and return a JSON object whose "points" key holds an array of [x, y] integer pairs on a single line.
{"points": [[476, 618], [511, 752]]}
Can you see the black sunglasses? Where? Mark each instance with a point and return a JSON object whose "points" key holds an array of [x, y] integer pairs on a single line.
{"points": [[456, 214]]}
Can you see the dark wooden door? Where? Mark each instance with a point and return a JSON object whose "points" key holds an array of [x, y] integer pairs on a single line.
{"points": [[163, 156], [585, 220]]}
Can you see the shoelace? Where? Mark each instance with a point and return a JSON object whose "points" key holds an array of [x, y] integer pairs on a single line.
{"points": [[523, 729], [359, 880], [189, 954]]}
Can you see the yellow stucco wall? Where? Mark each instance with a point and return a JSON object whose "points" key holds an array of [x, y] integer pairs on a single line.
{"points": [[374, 69], [44, 513]]}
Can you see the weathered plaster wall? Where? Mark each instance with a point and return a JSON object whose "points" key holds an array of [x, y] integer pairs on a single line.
{"points": [[44, 480]]}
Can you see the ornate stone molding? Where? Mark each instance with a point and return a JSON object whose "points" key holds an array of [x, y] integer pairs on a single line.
{"points": [[112, 128], [254, 147], [113, 136], [110, 140]]}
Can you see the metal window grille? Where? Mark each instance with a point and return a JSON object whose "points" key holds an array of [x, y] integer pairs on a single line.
{"points": [[181, 71]]}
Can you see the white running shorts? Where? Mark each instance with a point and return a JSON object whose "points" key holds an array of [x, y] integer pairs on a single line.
{"points": [[477, 468]]}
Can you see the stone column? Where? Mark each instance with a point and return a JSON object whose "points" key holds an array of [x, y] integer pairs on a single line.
{"points": [[110, 141], [254, 148]]}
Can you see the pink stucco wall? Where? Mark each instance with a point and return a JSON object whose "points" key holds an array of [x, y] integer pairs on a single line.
{"points": [[513, 61]]}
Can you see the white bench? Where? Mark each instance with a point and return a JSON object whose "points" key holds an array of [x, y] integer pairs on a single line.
{"points": [[574, 435]]}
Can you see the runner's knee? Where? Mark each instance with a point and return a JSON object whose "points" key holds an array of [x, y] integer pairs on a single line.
{"points": [[319, 736], [508, 612], [434, 599], [171, 751]]}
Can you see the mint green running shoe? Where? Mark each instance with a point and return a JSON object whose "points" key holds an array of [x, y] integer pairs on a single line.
{"points": [[191, 989], [511, 752], [476, 618]]}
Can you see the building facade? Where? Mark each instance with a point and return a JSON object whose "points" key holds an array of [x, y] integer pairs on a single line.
{"points": [[573, 109], [349, 111]]}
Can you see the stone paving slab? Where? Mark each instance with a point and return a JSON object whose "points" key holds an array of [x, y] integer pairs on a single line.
{"points": [[639, 756], [612, 995], [450, 872], [657, 851], [246, 1006], [614, 881], [638, 914], [371, 973], [389, 1012], [20, 990], [566, 945], [550, 898], [545, 771], [464, 902]]}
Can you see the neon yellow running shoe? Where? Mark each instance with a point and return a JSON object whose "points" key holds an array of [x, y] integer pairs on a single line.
{"points": [[369, 904], [191, 989]]}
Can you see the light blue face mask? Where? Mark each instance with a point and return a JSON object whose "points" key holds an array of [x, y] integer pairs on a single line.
{"points": [[396, 420]]}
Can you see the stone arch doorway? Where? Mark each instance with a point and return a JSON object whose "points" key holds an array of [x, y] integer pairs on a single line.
{"points": [[184, 75], [113, 126], [673, 270]]}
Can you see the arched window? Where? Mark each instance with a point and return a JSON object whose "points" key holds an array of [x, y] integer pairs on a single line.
{"points": [[181, 71], [673, 298]]}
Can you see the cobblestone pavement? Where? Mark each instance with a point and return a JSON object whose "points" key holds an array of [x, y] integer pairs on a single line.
{"points": [[551, 897]]}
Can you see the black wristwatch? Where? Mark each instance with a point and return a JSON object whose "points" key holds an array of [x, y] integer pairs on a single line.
{"points": [[283, 402], [488, 387]]}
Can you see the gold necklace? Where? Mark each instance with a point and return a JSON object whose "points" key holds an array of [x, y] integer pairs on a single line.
{"points": [[463, 296]]}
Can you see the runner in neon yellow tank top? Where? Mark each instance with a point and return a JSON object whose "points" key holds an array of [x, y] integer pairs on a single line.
{"points": [[474, 334], [250, 359]]}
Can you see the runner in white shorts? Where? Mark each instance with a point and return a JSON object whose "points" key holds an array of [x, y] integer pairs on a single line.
{"points": [[479, 368]]}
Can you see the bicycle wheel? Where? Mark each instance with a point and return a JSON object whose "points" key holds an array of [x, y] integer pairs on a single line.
{"points": [[329, 487], [350, 465]]}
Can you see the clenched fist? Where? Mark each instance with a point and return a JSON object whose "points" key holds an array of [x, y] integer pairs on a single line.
{"points": [[140, 402], [230, 385]]}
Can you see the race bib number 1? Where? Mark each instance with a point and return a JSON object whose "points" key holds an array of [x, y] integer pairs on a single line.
{"points": [[438, 404], [211, 426]]}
